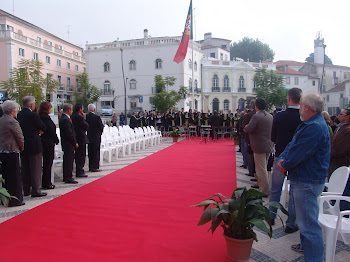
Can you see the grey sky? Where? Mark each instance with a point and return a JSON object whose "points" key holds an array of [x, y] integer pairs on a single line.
{"points": [[289, 27]]}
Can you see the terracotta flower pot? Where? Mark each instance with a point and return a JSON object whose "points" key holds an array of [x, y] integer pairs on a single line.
{"points": [[175, 139], [238, 249], [236, 142]]}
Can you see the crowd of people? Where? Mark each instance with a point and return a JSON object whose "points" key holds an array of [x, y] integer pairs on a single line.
{"points": [[303, 144], [28, 140]]}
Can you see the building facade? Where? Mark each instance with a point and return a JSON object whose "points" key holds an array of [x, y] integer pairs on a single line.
{"points": [[136, 63], [61, 60]]}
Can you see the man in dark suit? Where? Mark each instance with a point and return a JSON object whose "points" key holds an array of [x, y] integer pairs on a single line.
{"points": [[68, 142], [250, 153], [215, 122], [31, 157], [283, 128], [94, 135], [80, 128]]}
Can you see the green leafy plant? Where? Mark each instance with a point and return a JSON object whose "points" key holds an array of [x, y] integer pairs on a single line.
{"points": [[234, 134], [239, 214], [4, 194], [175, 133]]}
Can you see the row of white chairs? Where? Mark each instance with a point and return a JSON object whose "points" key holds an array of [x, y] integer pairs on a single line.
{"points": [[116, 141]]}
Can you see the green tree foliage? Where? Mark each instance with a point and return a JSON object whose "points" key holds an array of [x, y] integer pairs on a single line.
{"points": [[270, 86], [163, 99], [251, 49], [311, 59], [27, 79], [88, 93]]}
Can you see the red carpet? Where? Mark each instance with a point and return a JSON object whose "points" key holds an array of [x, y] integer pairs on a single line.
{"points": [[139, 213]]}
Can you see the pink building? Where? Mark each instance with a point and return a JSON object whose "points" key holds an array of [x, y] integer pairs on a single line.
{"points": [[62, 60]]}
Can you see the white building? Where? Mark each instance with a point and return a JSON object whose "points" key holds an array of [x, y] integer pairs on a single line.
{"points": [[218, 48], [141, 59], [337, 98]]}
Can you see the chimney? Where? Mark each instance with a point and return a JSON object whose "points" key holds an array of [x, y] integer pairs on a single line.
{"points": [[145, 33], [207, 36]]}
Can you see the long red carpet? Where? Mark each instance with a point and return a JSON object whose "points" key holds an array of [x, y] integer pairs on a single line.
{"points": [[139, 213]]}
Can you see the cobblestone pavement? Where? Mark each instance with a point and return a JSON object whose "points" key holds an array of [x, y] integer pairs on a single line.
{"points": [[266, 249]]}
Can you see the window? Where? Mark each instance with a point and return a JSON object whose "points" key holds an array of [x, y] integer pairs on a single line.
{"points": [[226, 105], [215, 104], [77, 84], [10, 28], [190, 64], [196, 85], [215, 81], [344, 75], [341, 95], [35, 56], [334, 74], [76, 68], [68, 65], [158, 63], [313, 82], [195, 66], [59, 80], [76, 53], [48, 60], [84, 69], [49, 43], [296, 80], [68, 82], [58, 63], [59, 47], [106, 67], [132, 65], [241, 83], [288, 80], [107, 88], [212, 55], [21, 52], [190, 85], [38, 39], [327, 98], [132, 104], [226, 82], [132, 84]]}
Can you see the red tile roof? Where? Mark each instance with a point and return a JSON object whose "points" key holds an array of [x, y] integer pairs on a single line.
{"points": [[290, 71], [339, 87], [288, 62]]}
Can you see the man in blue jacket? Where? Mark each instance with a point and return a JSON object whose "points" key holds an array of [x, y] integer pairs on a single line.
{"points": [[306, 158]]}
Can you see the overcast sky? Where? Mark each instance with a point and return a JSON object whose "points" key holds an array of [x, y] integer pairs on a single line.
{"points": [[288, 27]]}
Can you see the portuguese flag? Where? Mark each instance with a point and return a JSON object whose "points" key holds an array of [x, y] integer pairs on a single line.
{"points": [[186, 36]]}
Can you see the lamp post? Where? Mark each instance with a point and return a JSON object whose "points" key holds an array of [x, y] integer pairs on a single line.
{"points": [[121, 57]]}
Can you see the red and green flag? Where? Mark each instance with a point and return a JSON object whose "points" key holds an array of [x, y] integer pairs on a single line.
{"points": [[186, 36]]}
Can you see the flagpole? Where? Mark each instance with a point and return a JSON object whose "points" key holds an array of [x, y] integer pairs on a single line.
{"points": [[193, 103]]}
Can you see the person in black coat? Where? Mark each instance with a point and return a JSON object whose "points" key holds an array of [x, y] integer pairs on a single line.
{"points": [[68, 142], [80, 128], [133, 120], [215, 122], [48, 141], [31, 157], [94, 135]]}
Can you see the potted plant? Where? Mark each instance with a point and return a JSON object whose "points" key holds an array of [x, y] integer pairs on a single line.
{"points": [[237, 216], [235, 136], [175, 134], [4, 194]]}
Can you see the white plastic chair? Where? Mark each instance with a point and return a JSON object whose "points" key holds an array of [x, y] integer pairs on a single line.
{"points": [[334, 224]]}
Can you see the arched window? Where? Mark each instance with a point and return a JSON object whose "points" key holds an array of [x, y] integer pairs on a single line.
{"points": [[195, 66], [132, 65], [158, 63], [215, 104], [107, 88], [106, 67], [226, 84], [241, 84], [190, 64], [190, 85], [195, 84], [215, 83], [132, 84], [226, 105]]}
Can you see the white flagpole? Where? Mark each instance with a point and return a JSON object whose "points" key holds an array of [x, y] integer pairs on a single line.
{"points": [[193, 102]]}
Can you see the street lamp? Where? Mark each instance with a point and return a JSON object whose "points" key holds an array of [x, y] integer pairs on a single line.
{"points": [[121, 57]]}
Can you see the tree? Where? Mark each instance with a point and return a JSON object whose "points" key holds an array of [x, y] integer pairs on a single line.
{"points": [[311, 59], [270, 86], [166, 99], [27, 79], [88, 93], [251, 49]]}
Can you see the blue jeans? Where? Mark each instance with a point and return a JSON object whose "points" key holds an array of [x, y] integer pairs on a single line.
{"points": [[275, 194], [306, 209], [244, 151]]}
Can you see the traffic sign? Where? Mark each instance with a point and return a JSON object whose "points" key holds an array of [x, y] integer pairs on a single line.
{"points": [[140, 99], [2, 96]]}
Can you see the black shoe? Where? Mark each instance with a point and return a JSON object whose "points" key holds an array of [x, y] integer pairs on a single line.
{"points": [[254, 180], [16, 204], [95, 170], [249, 175], [239, 150], [290, 230], [70, 181], [49, 187], [255, 186], [39, 194], [26, 194], [82, 175], [298, 248], [243, 166]]}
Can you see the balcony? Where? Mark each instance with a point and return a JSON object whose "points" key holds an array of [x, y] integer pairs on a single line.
{"points": [[226, 89], [107, 92], [242, 89], [215, 89], [61, 87], [40, 45], [197, 90]]}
